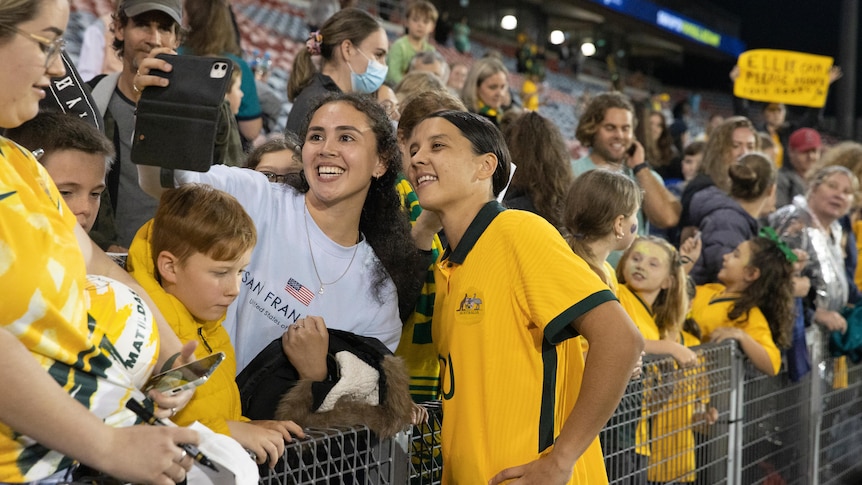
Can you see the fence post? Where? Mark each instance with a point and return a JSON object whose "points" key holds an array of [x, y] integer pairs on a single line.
{"points": [[735, 418], [815, 337], [400, 444]]}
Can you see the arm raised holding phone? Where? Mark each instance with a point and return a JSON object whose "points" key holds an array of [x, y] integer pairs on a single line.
{"points": [[660, 206]]}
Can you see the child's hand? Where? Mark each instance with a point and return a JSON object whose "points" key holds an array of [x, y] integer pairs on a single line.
{"points": [[689, 251], [287, 429], [637, 372], [726, 333], [703, 420], [265, 443], [305, 343], [684, 356]]}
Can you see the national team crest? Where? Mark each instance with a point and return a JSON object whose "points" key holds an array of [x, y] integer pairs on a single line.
{"points": [[471, 307]]}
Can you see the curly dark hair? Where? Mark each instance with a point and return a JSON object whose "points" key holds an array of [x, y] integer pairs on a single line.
{"points": [[772, 292], [383, 221]]}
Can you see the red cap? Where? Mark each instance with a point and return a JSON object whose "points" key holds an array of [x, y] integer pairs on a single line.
{"points": [[805, 139]]}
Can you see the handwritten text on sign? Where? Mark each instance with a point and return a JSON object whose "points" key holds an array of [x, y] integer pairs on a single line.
{"points": [[787, 77]]}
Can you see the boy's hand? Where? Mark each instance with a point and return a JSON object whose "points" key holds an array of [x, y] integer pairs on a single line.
{"points": [[264, 438]]}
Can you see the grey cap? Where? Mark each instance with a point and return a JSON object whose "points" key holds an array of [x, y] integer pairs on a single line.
{"points": [[174, 8]]}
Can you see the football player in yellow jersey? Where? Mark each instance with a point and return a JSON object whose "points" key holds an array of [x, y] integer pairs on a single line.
{"points": [[44, 258], [519, 402]]}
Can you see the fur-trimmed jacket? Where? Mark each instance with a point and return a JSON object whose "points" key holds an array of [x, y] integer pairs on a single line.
{"points": [[365, 385]]}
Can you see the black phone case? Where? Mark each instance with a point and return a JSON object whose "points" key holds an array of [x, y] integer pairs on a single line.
{"points": [[175, 127]]}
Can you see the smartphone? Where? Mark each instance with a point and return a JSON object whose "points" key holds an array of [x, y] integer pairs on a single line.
{"points": [[185, 377], [631, 151], [176, 126]]}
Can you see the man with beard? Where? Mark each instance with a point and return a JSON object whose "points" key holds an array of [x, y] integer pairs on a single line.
{"points": [[607, 128], [140, 27]]}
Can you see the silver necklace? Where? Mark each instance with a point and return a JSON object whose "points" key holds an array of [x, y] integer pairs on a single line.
{"points": [[314, 263]]}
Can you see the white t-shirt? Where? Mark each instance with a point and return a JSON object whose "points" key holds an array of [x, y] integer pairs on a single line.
{"points": [[280, 285]]}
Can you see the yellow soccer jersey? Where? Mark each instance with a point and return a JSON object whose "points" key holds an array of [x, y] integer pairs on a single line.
{"points": [[511, 370], [710, 312], [43, 277], [672, 439], [639, 313]]}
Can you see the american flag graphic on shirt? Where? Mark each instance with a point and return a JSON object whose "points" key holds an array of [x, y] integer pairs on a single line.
{"points": [[299, 292]]}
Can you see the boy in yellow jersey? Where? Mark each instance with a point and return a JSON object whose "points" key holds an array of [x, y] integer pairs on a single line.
{"points": [[518, 399], [190, 258]]}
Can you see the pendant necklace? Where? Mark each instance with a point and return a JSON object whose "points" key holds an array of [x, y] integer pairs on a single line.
{"points": [[314, 263]]}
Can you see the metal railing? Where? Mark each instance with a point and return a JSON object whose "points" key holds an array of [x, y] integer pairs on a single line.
{"points": [[721, 422]]}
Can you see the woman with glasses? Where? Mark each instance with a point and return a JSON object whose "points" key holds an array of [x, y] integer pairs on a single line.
{"points": [[279, 159], [51, 346]]}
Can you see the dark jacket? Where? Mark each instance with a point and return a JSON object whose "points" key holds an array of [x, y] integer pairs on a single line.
{"points": [[320, 86], [700, 182], [723, 224]]}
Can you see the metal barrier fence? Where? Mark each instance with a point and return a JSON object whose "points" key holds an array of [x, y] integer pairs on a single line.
{"points": [[341, 456], [721, 422]]}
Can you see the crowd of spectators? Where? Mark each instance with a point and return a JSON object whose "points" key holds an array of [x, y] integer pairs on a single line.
{"points": [[411, 208]]}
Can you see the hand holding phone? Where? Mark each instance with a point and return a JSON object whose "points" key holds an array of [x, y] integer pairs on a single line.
{"points": [[635, 156], [189, 376], [176, 124]]}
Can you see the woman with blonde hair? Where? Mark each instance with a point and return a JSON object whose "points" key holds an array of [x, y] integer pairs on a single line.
{"points": [[416, 82], [486, 88]]}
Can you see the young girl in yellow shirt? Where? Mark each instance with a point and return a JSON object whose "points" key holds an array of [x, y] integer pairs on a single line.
{"points": [[753, 304]]}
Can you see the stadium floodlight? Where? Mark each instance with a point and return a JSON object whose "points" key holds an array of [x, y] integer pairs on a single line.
{"points": [[509, 22], [557, 37]]}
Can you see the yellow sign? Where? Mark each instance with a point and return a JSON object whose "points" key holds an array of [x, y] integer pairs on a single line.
{"points": [[787, 77]]}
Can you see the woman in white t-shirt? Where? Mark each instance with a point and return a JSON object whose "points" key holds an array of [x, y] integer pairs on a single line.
{"points": [[334, 252]]}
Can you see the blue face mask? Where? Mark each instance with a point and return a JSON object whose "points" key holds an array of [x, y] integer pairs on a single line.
{"points": [[373, 77]]}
